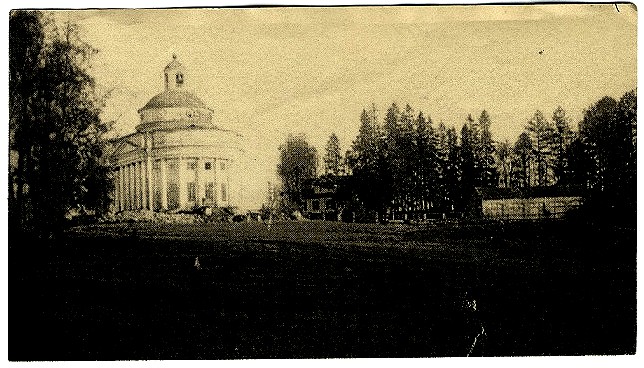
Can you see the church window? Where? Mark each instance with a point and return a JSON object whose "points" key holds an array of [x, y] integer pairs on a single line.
{"points": [[210, 191], [222, 165], [224, 194], [192, 191], [207, 166], [179, 79]]}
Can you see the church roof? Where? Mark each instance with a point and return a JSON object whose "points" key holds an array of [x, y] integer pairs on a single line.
{"points": [[174, 63], [174, 98]]}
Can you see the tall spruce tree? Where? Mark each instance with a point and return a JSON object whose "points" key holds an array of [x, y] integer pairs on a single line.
{"points": [[486, 151], [522, 162], [333, 161], [562, 137], [366, 162], [540, 131], [428, 170], [504, 167], [468, 168]]}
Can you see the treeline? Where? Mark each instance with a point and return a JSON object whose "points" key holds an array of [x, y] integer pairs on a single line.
{"points": [[404, 164]]}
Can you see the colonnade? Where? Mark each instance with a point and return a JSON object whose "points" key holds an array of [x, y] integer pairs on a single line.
{"points": [[134, 186], [147, 184]]}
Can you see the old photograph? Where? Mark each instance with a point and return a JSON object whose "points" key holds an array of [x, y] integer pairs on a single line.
{"points": [[279, 182]]}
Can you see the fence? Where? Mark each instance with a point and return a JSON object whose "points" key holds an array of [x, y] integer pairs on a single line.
{"points": [[529, 208]]}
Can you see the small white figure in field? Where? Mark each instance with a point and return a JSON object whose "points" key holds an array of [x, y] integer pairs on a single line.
{"points": [[472, 304], [197, 264]]}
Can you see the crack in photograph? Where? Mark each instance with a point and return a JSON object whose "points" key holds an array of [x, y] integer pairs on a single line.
{"points": [[278, 182]]}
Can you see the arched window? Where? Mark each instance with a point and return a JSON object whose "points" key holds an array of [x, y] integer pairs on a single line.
{"points": [[179, 78]]}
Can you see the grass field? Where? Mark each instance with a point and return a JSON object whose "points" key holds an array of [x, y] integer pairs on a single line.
{"points": [[322, 289]]}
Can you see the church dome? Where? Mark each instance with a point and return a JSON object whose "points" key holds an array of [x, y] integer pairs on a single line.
{"points": [[174, 98]]}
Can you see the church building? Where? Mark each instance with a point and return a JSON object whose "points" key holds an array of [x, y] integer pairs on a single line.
{"points": [[177, 158]]}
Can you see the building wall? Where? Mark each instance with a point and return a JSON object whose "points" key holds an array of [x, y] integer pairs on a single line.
{"points": [[168, 170]]}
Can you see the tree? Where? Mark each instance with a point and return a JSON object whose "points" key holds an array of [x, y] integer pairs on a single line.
{"points": [[596, 131], [298, 162], [521, 161], [468, 167], [367, 165], [428, 170], [56, 134], [562, 137], [486, 164], [504, 154], [540, 132], [333, 161], [449, 169], [625, 157], [607, 134]]}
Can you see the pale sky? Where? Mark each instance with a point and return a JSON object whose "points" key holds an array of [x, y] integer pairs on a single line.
{"points": [[267, 72]]}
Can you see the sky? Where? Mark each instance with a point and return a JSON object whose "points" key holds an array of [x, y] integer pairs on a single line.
{"points": [[268, 72]]}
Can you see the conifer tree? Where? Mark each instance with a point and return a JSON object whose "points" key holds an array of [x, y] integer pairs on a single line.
{"points": [[332, 156], [540, 132]]}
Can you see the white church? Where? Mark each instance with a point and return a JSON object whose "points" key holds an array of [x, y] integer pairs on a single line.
{"points": [[177, 159]]}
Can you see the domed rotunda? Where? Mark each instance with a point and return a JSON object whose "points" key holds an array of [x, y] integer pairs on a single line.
{"points": [[177, 158]]}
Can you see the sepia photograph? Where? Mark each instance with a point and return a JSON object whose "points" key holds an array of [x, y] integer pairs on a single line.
{"points": [[321, 182]]}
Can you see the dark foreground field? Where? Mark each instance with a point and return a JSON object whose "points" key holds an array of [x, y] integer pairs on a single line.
{"points": [[316, 290]]}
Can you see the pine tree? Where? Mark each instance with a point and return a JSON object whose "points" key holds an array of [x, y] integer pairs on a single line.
{"points": [[333, 161], [540, 131], [562, 137], [393, 167], [597, 131], [486, 164], [522, 162], [504, 167], [427, 163], [366, 162], [468, 168]]}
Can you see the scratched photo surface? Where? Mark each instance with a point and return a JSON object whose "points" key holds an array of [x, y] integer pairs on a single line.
{"points": [[322, 182]]}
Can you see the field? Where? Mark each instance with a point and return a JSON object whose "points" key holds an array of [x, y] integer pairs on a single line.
{"points": [[322, 289]]}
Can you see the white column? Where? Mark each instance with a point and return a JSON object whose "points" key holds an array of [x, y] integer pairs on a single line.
{"points": [[127, 192], [122, 191], [144, 185], [115, 203], [163, 183], [149, 182], [130, 169], [137, 171], [144, 192], [119, 189], [182, 190], [216, 191], [198, 184], [133, 186], [137, 185]]}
